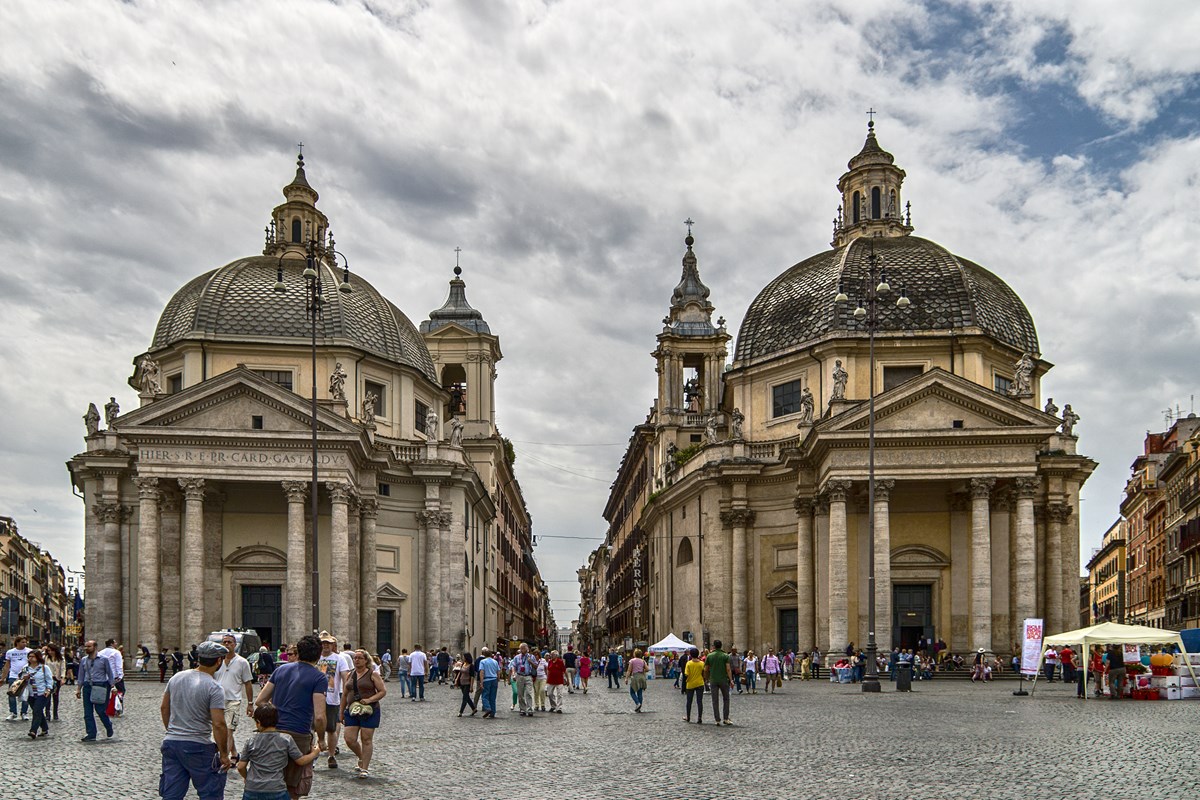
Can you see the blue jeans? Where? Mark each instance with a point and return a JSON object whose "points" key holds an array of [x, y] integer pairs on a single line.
{"points": [[489, 696], [90, 709], [12, 701], [614, 680], [403, 678], [636, 694], [751, 680], [193, 763], [417, 684], [280, 795]]}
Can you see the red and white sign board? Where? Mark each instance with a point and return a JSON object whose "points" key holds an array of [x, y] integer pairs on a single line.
{"points": [[1031, 646], [1133, 653]]}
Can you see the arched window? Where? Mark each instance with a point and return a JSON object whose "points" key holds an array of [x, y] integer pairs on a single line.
{"points": [[684, 555], [876, 201], [857, 205], [295, 229]]}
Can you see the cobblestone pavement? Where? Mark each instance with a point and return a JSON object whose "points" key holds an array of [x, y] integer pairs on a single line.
{"points": [[811, 740]]}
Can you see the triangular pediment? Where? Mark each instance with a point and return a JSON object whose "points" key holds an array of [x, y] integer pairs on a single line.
{"points": [[231, 401], [784, 590], [939, 401], [389, 592]]}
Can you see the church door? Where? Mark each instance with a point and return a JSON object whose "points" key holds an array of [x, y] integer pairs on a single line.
{"points": [[385, 626], [912, 610], [789, 630], [262, 611]]}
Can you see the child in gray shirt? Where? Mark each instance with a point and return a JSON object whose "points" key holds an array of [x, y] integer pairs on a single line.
{"points": [[265, 756]]}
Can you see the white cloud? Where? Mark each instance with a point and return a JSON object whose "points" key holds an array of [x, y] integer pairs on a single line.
{"points": [[561, 145]]}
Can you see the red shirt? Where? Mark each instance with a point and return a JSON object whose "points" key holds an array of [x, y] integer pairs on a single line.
{"points": [[556, 672], [1067, 656]]}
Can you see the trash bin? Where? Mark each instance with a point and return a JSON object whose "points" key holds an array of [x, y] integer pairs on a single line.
{"points": [[904, 676]]}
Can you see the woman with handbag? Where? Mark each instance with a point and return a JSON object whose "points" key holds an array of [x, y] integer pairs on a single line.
{"points": [[360, 709], [463, 676], [635, 677], [39, 686], [57, 665]]}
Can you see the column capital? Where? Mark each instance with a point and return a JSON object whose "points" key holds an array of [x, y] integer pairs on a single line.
{"points": [[883, 488], [193, 488], [804, 505], [168, 502], [296, 491], [737, 517], [837, 490], [1058, 512], [981, 488], [433, 519], [368, 507], [339, 491], [1005, 498], [107, 512], [821, 505], [1026, 487], [147, 488]]}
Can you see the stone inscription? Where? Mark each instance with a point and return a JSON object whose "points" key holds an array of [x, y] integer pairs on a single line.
{"points": [[223, 457]]}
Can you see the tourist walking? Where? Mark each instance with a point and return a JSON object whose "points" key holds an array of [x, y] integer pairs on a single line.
{"points": [[612, 668], [58, 667], [237, 681], [556, 679], [463, 676], [571, 662], [815, 666], [524, 671], [385, 664], [265, 665], [15, 661], [418, 668], [488, 671], [718, 676], [96, 681], [735, 667], [771, 671], [265, 758], [693, 684], [360, 709], [635, 677], [297, 689], [585, 671], [39, 686], [115, 657], [195, 747], [751, 666], [336, 667], [402, 666], [539, 684]]}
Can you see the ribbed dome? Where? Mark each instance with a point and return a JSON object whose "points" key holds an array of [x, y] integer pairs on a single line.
{"points": [[235, 303], [947, 292]]}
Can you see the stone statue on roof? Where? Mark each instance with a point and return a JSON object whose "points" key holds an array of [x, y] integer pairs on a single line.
{"points": [[368, 408], [1069, 418], [1050, 407], [710, 427], [112, 410], [456, 431], [92, 419], [737, 419], [148, 376], [337, 382], [1022, 385], [840, 377], [806, 407], [431, 425]]}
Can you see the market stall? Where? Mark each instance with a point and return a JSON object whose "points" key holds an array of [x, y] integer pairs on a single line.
{"points": [[1108, 633], [671, 644]]}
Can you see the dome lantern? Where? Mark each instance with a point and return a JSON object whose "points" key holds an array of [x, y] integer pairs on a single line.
{"points": [[871, 201], [297, 220]]}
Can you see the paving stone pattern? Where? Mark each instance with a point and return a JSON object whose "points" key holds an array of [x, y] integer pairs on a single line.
{"points": [[811, 740]]}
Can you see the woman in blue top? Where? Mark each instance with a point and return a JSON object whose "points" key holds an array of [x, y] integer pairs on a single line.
{"points": [[40, 687]]}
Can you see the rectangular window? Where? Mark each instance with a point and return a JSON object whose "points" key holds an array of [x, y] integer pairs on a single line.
{"points": [[894, 376], [175, 383], [377, 389], [785, 398], [283, 377], [1002, 384], [256, 422], [419, 414]]}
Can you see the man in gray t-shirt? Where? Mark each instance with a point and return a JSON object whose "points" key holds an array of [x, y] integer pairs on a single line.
{"points": [[193, 713]]}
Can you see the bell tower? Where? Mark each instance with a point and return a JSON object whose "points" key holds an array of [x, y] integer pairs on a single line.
{"points": [[297, 221], [871, 200], [691, 351]]}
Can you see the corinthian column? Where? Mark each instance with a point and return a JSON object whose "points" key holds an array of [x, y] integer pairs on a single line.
{"points": [[339, 559], [806, 606], [103, 596], [368, 509], [1056, 515], [981, 563], [839, 608], [1025, 577], [192, 560], [883, 565], [298, 619], [738, 519], [149, 598]]}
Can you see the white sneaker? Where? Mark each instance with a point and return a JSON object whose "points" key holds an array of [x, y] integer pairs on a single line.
{"points": [[25, 716], [11, 717]]}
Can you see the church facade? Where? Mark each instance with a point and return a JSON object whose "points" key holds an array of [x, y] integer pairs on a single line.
{"points": [[198, 503], [742, 501]]}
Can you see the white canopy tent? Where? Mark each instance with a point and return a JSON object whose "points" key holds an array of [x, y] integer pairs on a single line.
{"points": [[1109, 633], [671, 644]]}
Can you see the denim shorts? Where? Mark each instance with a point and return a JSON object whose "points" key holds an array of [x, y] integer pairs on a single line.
{"points": [[280, 795]]}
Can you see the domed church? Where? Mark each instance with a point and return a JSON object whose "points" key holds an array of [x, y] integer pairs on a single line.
{"points": [[199, 502], [742, 502]]}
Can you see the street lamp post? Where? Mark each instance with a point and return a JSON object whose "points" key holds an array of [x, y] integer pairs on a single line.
{"points": [[872, 291], [315, 252]]}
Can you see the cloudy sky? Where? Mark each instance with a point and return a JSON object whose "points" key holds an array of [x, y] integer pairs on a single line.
{"points": [[561, 145]]}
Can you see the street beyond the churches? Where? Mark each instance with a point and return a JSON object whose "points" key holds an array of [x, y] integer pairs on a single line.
{"points": [[948, 738]]}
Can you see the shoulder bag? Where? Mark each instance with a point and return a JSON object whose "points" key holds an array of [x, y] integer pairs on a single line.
{"points": [[358, 708]]}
